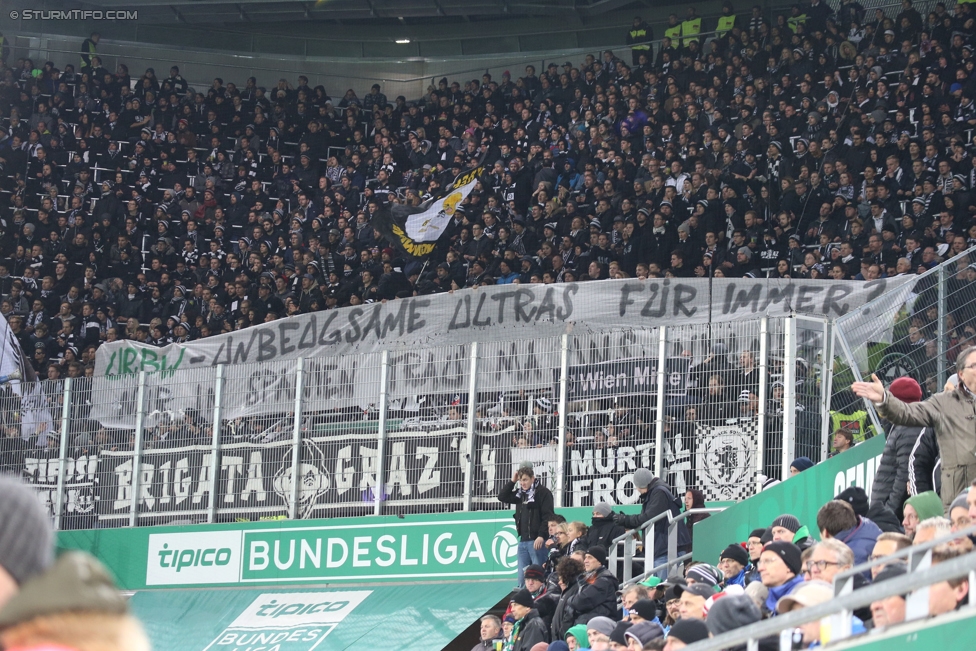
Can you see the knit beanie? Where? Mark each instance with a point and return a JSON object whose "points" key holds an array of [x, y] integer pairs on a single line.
{"points": [[787, 521], [704, 574], [26, 540], [619, 631], [603, 509], [802, 463], [758, 533], [689, 631], [927, 505], [643, 477], [601, 624], [645, 632], [524, 598], [736, 553], [857, 498], [789, 552], [732, 612], [906, 389], [960, 501], [599, 552]]}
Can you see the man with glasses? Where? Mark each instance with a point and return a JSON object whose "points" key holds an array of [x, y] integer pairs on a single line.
{"points": [[888, 543], [951, 414]]}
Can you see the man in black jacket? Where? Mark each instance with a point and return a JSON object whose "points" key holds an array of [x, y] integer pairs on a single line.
{"points": [[533, 508], [891, 480], [597, 595], [529, 628], [656, 498]]}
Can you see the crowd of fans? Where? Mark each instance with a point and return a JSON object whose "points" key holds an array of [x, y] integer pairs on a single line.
{"points": [[827, 143], [571, 596]]}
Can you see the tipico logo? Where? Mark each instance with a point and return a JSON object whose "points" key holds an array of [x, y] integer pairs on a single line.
{"points": [[504, 547], [194, 558]]}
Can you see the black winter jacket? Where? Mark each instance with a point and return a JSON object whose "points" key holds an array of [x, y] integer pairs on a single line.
{"points": [[655, 501], [925, 463], [602, 531], [532, 631], [531, 518], [597, 596], [891, 478], [565, 617]]}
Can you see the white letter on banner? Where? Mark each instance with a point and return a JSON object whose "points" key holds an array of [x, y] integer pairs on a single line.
{"points": [[383, 548], [451, 549], [472, 548], [330, 560], [358, 551], [259, 551]]}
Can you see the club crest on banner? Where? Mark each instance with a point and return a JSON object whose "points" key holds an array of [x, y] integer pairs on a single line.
{"points": [[726, 460], [312, 474]]}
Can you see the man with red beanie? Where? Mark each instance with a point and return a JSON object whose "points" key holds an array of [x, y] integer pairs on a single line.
{"points": [[951, 414], [891, 477]]}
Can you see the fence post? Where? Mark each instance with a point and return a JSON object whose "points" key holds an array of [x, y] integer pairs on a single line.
{"points": [[137, 452], [381, 433], [662, 361], [826, 387], [852, 364], [215, 443], [563, 407], [63, 454], [941, 327], [763, 398], [296, 441], [471, 426], [789, 394]]}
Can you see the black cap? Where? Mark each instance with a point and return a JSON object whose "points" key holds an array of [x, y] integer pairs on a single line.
{"points": [[523, 598], [689, 631], [736, 553]]}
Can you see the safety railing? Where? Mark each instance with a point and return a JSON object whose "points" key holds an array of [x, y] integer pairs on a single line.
{"points": [[646, 534], [915, 556], [785, 625]]}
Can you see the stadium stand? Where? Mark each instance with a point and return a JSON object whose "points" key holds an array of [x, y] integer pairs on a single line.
{"points": [[832, 144]]}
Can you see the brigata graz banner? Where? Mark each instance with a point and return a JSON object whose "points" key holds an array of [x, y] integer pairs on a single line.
{"points": [[255, 480]]}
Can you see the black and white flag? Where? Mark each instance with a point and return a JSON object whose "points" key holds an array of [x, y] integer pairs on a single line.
{"points": [[17, 374]]}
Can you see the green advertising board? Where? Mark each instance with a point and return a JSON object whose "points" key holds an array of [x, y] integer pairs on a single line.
{"points": [[402, 617], [802, 496], [434, 547]]}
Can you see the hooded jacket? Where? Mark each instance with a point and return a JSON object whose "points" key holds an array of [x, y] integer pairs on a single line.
{"points": [[602, 531], [860, 539], [659, 499]]}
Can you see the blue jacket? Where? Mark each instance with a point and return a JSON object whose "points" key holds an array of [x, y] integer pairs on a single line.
{"points": [[775, 594], [860, 539]]}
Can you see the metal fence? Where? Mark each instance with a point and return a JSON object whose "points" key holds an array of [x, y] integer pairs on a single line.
{"points": [[718, 407]]}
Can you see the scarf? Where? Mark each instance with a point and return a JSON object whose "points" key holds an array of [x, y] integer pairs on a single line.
{"points": [[510, 642], [527, 496], [775, 594]]}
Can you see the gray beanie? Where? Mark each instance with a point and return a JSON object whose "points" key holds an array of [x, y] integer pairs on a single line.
{"points": [[732, 612], [603, 509], [746, 251], [643, 477], [787, 521], [26, 539], [959, 501]]}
